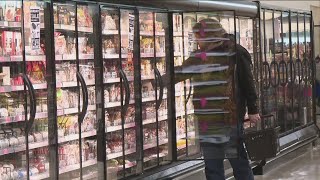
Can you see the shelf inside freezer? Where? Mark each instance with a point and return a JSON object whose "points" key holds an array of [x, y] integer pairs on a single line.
{"points": [[18, 118], [130, 78], [90, 176], [13, 24], [158, 55], [183, 145], [66, 169], [183, 136], [74, 137], [74, 83], [18, 58], [178, 54], [110, 32], [182, 94], [154, 156], [153, 120], [61, 112], [8, 24], [36, 145], [72, 57], [76, 166], [12, 119], [119, 127], [4, 89], [119, 154], [150, 55], [152, 145], [39, 176], [150, 33], [182, 113], [114, 56], [72, 28], [111, 80], [115, 104], [120, 167], [179, 34], [40, 115], [148, 99], [147, 78]]}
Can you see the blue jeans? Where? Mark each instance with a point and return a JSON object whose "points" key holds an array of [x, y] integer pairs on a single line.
{"points": [[214, 168]]}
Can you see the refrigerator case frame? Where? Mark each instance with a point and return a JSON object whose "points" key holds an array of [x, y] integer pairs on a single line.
{"points": [[29, 95], [196, 157], [101, 156], [311, 124]]}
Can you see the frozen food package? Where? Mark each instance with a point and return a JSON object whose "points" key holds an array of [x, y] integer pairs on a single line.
{"points": [[2, 10], [8, 42], [10, 11]]}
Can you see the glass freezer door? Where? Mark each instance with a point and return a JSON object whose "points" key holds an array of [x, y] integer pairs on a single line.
{"points": [[75, 87], [23, 95], [206, 105], [119, 91], [153, 28]]}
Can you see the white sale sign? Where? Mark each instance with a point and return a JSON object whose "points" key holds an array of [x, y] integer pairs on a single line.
{"points": [[35, 27], [131, 31]]}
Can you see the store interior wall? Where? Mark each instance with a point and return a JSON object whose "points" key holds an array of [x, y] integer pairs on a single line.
{"points": [[301, 5], [316, 15]]}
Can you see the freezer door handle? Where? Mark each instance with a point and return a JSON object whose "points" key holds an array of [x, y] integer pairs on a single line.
{"points": [[300, 71], [292, 71], [283, 67], [160, 81], [189, 94], [275, 66], [306, 70], [267, 74], [33, 103], [127, 91], [84, 97]]}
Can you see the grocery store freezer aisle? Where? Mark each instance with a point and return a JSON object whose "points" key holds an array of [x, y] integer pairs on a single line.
{"points": [[304, 167]]}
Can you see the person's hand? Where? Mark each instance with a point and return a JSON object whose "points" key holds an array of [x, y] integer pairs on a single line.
{"points": [[254, 118]]}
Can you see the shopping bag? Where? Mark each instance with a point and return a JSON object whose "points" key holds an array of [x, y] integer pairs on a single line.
{"points": [[262, 143]]}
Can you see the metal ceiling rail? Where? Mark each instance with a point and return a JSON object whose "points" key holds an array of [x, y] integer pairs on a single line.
{"points": [[241, 8]]}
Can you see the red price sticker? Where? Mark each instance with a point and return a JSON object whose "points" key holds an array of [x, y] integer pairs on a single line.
{"points": [[8, 119], [5, 151], [2, 89]]}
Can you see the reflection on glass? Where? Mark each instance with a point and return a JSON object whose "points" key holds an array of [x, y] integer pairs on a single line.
{"points": [[308, 66], [246, 34], [269, 94], [204, 68], [184, 91], [279, 53]]}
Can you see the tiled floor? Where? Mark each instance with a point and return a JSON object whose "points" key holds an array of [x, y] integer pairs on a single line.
{"points": [[304, 167]]}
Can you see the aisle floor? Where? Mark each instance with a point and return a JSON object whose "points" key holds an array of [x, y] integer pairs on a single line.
{"points": [[304, 167]]}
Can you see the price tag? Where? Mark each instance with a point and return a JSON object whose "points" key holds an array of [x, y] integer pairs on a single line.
{"points": [[8, 119], [5, 151], [35, 27]]}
